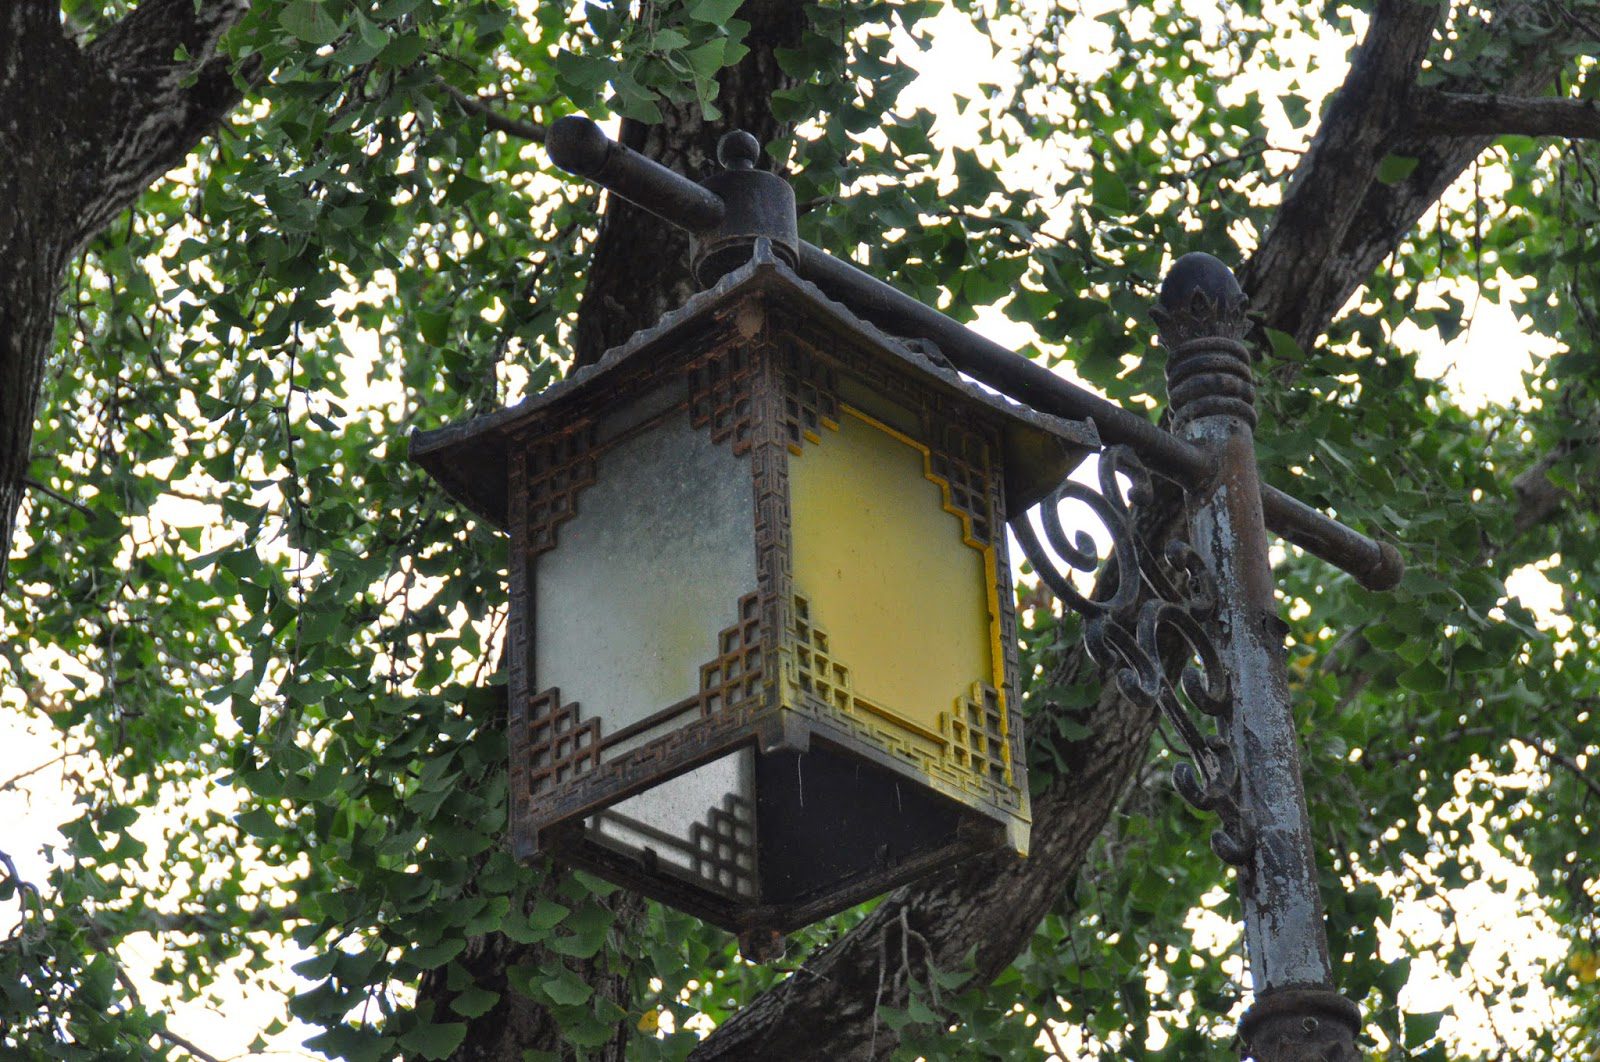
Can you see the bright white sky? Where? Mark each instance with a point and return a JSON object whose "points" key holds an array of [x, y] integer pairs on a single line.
{"points": [[1484, 364]]}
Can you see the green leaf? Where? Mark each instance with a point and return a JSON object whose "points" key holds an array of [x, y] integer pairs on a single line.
{"points": [[1284, 345], [435, 1041], [474, 1002], [1111, 191], [1295, 109], [1384, 637], [428, 957], [1420, 1028], [1424, 678], [566, 990], [717, 12], [434, 326], [706, 60], [547, 914], [1395, 168], [310, 22]]}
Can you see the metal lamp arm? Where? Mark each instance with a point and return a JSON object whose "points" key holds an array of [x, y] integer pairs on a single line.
{"points": [[579, 146]]}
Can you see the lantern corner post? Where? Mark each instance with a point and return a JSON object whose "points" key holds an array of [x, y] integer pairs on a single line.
{"points": [[1297, 1014]]}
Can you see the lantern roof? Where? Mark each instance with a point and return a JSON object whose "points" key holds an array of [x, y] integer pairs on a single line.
{"points": [[469, 459]]}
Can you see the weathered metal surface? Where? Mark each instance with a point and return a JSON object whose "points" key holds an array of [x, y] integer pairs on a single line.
{"points": [[1375, 565], [580, 147], [1152, 602], [1202, 322], [758, 205]]}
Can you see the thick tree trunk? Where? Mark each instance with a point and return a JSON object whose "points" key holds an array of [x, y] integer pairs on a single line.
{"points": [[640, 268], [83, 131]]}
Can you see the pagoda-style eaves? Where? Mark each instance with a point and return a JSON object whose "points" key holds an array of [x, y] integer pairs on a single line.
{"points": [[469, 459]]}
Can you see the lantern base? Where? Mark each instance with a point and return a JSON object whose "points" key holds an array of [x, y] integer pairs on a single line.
{"points": [[826, 829]]}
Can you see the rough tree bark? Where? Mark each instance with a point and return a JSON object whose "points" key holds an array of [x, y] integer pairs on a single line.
{"points": [[84, 129]]}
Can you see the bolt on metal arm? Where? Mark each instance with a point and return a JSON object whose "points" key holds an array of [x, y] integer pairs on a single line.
{"points": [[580, 147]]}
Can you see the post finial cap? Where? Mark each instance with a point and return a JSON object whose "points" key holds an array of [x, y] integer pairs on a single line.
{"points": [[738, 150], [1198, 273]]}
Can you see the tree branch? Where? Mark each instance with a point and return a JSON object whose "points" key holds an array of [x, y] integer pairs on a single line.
{"points": [[157, 85], [33, 484], [1327, 188], [1299, 279], [494, 119], [1491, 114]]}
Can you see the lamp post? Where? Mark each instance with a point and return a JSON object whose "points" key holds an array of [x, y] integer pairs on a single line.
{"points": [[1211, 393], [1215, 595]]}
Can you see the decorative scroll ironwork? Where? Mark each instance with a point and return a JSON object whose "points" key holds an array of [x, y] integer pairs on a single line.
{"points": [[1143, 609]]}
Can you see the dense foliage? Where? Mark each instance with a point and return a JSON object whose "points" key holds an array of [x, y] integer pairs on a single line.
{"points": [[282, 641]]}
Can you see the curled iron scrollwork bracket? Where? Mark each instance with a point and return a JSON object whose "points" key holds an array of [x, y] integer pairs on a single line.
{"points": [[1145, 608]]}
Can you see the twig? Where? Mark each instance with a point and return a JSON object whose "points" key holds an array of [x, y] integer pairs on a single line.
{"points": [[178, 1041], [33, 484], [28, 900], [1548, 750], [1055, 1045], [11, 783], [493, 118]]}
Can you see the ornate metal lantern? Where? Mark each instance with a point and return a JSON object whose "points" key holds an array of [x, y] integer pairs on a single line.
{"points": [[762, 642]]}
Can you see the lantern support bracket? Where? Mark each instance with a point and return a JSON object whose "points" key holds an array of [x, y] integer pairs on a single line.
{"points": [[580, 147]]}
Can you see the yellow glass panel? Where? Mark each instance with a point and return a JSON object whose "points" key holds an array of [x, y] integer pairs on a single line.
{"points": [[885, 571]]}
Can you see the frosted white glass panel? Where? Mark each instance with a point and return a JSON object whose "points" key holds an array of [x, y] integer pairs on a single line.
{"points": [[630, 603], [700, 824]]}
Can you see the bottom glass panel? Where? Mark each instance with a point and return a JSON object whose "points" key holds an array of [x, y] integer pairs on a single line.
{"points": [[699, 825]]}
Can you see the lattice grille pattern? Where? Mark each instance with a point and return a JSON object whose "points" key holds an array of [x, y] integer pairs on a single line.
{"points": [[720, 398], [960, 457], [977, 733], [735, 675], [724, 846], [819, 674], [558, 468], [809, 401], [961, 465], [1006, 598], [560, 748], [824, 684]]}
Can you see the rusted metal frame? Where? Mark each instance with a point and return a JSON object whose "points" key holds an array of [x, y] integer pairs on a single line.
{"points": [[1298, 1013], [579, 146]]}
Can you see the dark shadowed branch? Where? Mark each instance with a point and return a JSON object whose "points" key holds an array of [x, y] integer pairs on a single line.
{"points": [[1489, 114], [493, 118]]}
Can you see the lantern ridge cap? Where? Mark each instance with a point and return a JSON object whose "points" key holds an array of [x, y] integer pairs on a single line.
{"points": [[452, 453]]}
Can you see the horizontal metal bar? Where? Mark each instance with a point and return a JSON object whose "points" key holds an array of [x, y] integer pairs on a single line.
{"points": [[1001, 368], [1375, 565], [581, 147]]}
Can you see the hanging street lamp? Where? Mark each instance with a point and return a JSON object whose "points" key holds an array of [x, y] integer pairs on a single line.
{"points": [[762, 639]]}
